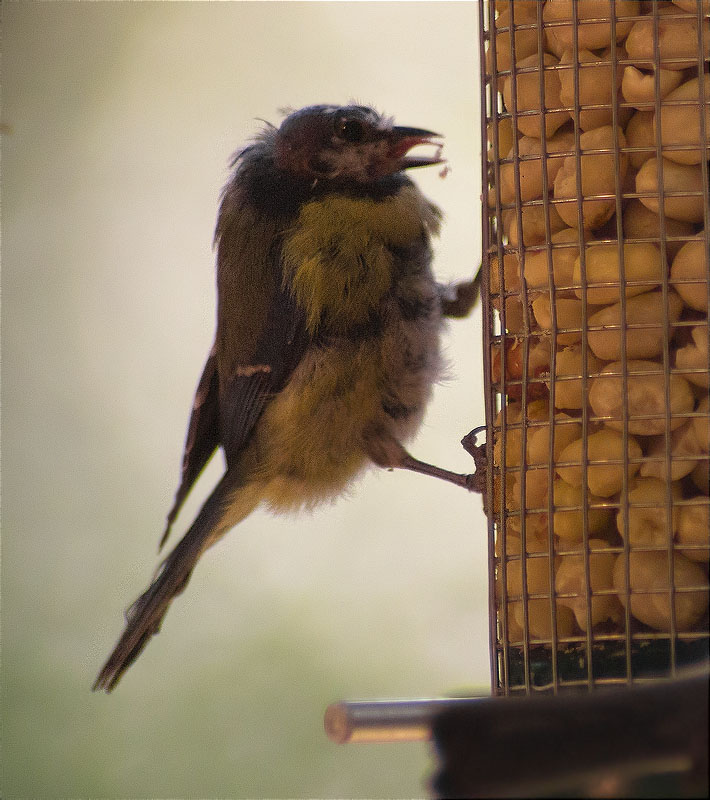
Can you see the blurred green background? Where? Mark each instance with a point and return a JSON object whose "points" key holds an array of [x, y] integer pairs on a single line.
{"points": [[118, 122]]}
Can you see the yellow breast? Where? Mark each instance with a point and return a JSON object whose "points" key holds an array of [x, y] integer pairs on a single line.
{"points": [[337, 257]]}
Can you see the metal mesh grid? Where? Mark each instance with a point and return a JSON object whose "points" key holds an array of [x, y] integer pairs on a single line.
{"points": [[595, 290]]}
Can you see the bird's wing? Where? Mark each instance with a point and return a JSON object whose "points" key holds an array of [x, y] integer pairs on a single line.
{"points": [[247, 384], [202, 436], [241, 374]]}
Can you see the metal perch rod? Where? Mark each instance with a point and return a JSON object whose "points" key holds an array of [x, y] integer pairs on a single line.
{"points": [[386, 720]]}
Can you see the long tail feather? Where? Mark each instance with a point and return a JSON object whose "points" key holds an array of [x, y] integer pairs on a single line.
{"points": [[144, 617]]}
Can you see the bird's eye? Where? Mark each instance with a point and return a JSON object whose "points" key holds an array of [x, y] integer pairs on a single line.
{"points": [[352, 130]]}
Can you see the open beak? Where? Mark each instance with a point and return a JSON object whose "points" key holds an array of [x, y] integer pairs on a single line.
{"points": [[404, 139]]}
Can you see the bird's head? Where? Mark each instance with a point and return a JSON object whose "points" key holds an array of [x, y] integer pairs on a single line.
{"points": [[347, 143]]}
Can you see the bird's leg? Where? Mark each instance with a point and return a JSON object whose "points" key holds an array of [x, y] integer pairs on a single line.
{"points": [[415, 465], [478, 453], [387, 452]]}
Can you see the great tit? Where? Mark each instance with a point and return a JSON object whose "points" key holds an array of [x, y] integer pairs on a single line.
{"points": [[327, 341]]}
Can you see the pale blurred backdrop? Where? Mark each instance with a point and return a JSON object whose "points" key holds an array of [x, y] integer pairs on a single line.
{"points": [[118, 122]]}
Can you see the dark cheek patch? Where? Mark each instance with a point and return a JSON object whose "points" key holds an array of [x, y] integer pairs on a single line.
{"points": [[318, 165]]}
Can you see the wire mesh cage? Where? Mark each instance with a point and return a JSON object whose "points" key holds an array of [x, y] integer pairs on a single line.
{"points": [[595, 290]]}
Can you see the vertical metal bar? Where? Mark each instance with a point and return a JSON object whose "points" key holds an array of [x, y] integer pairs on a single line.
{"points": [[618, 189], [484, 32], [583, 281], [524, 359], [657, 102], [703, 108], [554, 643], [618, 212]]}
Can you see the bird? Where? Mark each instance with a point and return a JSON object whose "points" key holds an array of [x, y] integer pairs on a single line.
{"points": [[327, 341]]}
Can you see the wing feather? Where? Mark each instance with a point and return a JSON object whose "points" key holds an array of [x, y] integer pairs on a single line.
{"points": [[202, 437], [248, 388], [261, 332]]}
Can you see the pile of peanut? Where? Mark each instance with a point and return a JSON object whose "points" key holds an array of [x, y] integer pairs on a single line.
{"points": [[599, 278]]}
